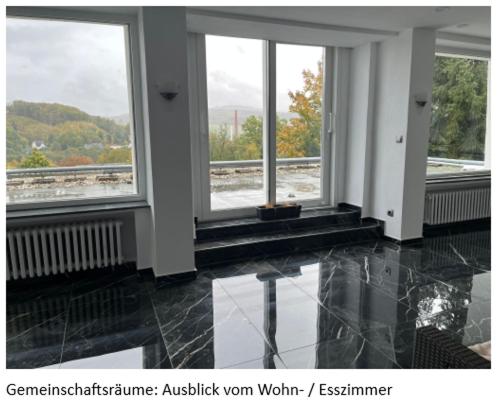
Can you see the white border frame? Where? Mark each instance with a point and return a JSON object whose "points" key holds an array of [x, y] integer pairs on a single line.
{"points": [[130, 23]]}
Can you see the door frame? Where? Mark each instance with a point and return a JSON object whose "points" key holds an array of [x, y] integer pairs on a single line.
{"points": [[199, 127]]}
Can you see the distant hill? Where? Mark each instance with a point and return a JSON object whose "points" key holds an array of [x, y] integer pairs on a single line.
{"points": [[219, 115], [65, 131], [67, 134], [225, 114], [121, 119]]}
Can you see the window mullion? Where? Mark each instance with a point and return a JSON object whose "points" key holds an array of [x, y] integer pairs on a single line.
{"points": [[269, 121], [327, 126]]}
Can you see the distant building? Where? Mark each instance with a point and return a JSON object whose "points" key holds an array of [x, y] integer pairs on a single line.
{"points": [[38, 145]]}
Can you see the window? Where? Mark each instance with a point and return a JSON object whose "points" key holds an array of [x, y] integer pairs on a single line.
{"points": [[69, 112], [299, 122], [459, 116], [260, 96], [234, 70]]}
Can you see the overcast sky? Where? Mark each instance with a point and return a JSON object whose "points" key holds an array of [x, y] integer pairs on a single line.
{"points": [[78, 64], [235, 73], [83, 65]]}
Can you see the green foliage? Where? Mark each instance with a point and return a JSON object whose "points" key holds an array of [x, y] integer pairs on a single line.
{"points": [[76, 134], [249, 143], [76, 160], [66, 131], [35, 160], [457, 129], [302, 135], [298, 137], [459, 108], [54, 113], [115, 156], [17, 145], [222, 148]]}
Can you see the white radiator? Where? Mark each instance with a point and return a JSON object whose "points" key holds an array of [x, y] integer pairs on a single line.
{"points": [[55, 249], [457, 205]]}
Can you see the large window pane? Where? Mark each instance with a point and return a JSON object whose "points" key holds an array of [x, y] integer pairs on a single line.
{"points": [[299, 77], [68, 111], [234, 68], [459, 112]]}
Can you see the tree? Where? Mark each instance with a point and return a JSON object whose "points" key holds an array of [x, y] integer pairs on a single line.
{"points": [[17, 146], [76, 134], [53, 114], [298, 137], [459, 108], [60, 127], [222, 147], [301, 136], [115, 156], [249, 143], [75, 160], [35, 160]]}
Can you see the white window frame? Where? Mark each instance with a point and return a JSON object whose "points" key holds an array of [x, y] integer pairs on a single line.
{"points": [[130, 22], [200, 130], [486, 171]]}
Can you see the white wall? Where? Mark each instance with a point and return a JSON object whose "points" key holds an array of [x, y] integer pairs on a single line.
{"points": [[164, 59], [390, 120], [360, 119]]}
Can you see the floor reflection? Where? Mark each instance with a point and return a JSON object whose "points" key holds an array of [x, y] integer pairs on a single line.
{"points": [[346, 307]]}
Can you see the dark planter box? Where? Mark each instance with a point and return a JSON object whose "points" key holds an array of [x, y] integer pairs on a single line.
{"points": [[278, 212]]}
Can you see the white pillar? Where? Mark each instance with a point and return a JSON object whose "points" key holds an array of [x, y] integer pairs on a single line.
{"points": [[401, 132], [163, 37], [359, 146]]}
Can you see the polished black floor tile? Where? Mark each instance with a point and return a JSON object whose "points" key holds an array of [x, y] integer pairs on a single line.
{"points": [[35, 340], [338, 286], [36, 322], [115, 318], [471, 249], [286, 316], [346, 306], [353, 352], [214, 336]]}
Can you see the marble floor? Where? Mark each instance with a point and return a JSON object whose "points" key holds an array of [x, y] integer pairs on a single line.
{"points": [[354, 306]]}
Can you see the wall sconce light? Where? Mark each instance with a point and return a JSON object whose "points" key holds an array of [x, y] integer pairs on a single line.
{"points": [[421, 99], [168, 90]]}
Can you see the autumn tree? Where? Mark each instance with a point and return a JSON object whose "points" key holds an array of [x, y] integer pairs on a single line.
{"points": [[298, 137], [65, 130], [35, 160], [115, 156], [301, 136], [75, 160]]}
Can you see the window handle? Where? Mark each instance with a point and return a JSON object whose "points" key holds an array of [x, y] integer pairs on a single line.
{"points": [[331, 124]]}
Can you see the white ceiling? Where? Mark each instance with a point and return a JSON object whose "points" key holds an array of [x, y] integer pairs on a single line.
{"points": [[473, 21]]}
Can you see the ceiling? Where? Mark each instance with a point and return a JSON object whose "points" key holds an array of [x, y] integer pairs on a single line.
{"points": [[471, 21]]}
